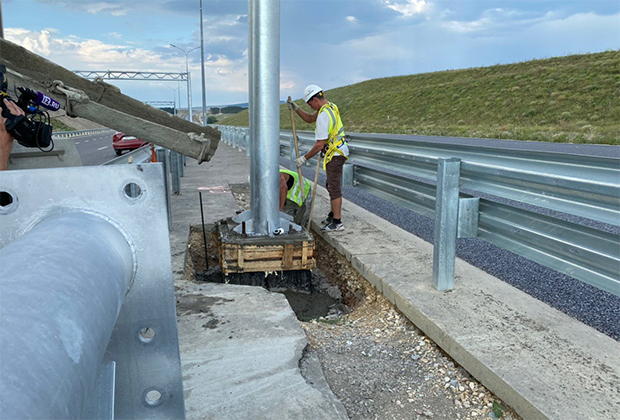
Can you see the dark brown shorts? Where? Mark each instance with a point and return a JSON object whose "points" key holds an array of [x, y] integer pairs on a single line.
{"points": [[334, 177]]}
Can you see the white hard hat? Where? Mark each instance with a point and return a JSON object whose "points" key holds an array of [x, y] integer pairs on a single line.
{"points": [[310, 91]]}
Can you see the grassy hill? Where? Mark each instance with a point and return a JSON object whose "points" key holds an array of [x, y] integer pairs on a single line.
{"points": [[574, 99]]}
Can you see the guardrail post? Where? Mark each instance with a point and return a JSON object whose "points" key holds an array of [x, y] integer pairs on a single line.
{"points": [[162, 156], [446, 223], [181, 162], [348, 175], [292, 154], [174, 171]]}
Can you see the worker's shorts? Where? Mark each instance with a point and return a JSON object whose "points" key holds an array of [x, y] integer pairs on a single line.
{"points": [[334, 176]]}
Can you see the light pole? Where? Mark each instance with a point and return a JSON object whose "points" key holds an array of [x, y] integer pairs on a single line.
{"points": [[189, 79], [174, 97], [202, 62]]}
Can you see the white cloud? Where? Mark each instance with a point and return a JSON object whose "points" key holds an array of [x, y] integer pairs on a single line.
{"points": [[103, 7], [115, 35], [351, 19], [409, 8], [73, 53], [430, 47]]}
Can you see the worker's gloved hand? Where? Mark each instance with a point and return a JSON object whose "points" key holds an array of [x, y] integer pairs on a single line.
{"points": [[300, 161], [291, 105]]}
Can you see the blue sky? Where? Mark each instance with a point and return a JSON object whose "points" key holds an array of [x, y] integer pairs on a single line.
{"points": [[331, 43]]}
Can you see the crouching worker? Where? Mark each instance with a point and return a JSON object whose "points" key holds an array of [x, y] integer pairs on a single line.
{"points": [[294, 201]]}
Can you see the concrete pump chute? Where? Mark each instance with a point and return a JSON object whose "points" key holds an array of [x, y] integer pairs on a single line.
{"points": [[105, 104]]}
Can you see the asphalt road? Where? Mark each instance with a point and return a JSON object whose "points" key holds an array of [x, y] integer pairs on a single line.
{"points": [[95, 149], [594, 307]]}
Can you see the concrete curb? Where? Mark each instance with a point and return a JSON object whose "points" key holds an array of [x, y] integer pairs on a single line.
{"points": [[543, 363]]}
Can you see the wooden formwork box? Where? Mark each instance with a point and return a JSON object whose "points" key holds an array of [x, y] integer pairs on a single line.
{"points": [[239, 254]]}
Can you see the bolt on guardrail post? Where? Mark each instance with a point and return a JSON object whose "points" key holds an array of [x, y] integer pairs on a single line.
{"points": [[174, 171], [446, 223], [162, 156]]}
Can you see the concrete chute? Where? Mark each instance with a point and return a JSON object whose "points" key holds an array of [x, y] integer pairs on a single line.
{"points": [[105, 104]]}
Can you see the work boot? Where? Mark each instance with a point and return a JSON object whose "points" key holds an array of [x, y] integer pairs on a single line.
{"points": [[333, 226]]}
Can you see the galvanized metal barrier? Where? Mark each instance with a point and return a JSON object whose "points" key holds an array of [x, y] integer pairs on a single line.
{"points": [[87, 307], [584, 186], [77, 133]]}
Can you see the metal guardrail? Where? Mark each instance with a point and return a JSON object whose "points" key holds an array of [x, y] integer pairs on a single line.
{"points": [[141, 155], [67, 134], [584, 186], [174, 165], [90, 333]]}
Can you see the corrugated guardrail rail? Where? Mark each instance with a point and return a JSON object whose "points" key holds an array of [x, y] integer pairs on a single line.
{"points": [[584, 186], [66, 134]]}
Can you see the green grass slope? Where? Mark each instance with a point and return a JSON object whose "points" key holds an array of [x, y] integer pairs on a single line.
{"points": [[572, 99]]}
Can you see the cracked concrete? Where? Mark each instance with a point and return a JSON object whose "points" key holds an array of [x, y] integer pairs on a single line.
{"points": [[244, 355]]}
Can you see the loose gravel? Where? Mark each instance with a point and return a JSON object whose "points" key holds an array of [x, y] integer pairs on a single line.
{"points": [[381, 366]]}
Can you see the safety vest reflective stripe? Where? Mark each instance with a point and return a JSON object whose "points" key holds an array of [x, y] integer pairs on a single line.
{"points": [[294, 194], [336, 133]]}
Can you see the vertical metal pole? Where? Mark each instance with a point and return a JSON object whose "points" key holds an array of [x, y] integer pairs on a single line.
{"points": [[252, 40], [266, 75], [446, 223], [202, 66], [181, 163], [189, 90], [204, 234], [1, 25], [179, 89], [162, 157], [292, 154], [174, 171]]}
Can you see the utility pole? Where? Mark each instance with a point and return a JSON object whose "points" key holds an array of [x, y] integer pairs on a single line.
{"points": [[189, 79], [1, 26], [202, 61]]}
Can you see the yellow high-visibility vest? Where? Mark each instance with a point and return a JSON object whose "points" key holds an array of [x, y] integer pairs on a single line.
{"points": [[295, 193], [336, 132]]}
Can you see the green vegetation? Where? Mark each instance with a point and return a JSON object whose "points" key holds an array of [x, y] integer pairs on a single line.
{"points": [[572, 99], [59, 126]]}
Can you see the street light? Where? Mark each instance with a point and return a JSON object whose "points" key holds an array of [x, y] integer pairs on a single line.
{"points": [[202, 63], [174, 97], [189, 79]]}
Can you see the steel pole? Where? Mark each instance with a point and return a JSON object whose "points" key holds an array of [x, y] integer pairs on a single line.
{"points": [[1, 25], [266, 75], [202, 66], [252, 99], [61, 290], [189, 89]]}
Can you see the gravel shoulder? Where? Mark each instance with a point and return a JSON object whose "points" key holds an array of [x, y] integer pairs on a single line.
{"points": [[381, 366]]}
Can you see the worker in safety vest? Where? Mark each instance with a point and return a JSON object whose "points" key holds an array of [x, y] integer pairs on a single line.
{"points": [[294, 200], [330, 139]]}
